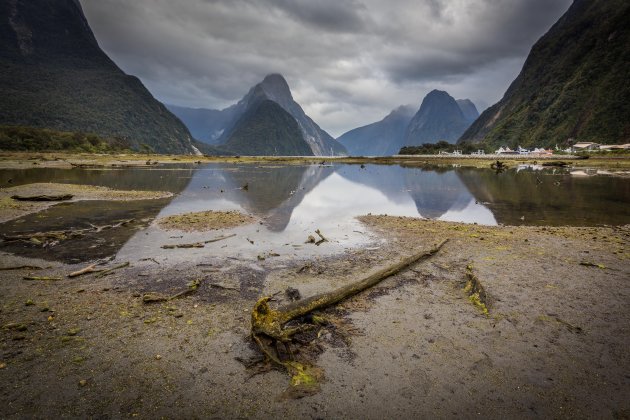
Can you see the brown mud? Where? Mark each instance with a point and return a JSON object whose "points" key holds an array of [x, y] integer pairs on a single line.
{"points": [[553, 343], [204, 221]]}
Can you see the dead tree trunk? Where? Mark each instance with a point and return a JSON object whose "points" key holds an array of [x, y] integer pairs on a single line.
{"points": [[268, 323]]}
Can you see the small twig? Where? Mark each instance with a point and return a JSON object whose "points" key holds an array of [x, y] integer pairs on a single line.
{"points": [[221, 286], [42, 278], [219, 238], [322, 240], [198, 244], [86, 270], [591, 264], [155, 297], [22, 267], [305, 267], [109, 270], [192, 245]]}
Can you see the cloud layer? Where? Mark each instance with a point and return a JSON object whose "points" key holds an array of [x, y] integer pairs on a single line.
{"points": [[348, 62]]}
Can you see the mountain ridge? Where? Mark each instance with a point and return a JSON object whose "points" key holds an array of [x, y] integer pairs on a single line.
{"points": [[573, 84], [440, 117], [274, 88], [380, 138], [54, 75], [266, 129]]}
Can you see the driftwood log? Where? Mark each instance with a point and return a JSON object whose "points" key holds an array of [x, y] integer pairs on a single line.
{"points": [[269, 325], [61, 197]]}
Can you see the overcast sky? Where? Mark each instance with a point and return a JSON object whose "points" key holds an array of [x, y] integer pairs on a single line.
{"points": [[348, 62]]}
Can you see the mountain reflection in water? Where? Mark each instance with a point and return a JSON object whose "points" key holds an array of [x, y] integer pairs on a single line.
{"points": [[292, 201]]}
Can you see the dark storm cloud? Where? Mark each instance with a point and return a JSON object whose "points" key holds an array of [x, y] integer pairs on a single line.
{"points": [[332, 15], [348, 62]]}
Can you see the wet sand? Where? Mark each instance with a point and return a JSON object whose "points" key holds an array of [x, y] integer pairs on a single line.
{"points": [[555, 342]]}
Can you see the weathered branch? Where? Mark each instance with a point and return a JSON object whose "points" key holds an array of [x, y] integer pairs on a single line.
{"points": [[86, 270], [22, 267], [156, 297], [61, 197], [41, 278], [109, 270], [267, 324], [198, 244], [191, 245]]}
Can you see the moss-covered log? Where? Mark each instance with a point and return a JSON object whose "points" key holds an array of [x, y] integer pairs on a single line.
{"points": [[269, 325]]}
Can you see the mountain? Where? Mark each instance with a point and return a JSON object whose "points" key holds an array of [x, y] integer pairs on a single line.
{"points": [[267, 129], [469, 109], [574, 84], [381, 138], [439, 118], [274, 88], [53, 74]]}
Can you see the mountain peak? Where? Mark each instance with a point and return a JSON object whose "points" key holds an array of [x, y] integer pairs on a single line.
{"points": [[276, 88], [436, 92], [439, 118], [274, 78], [248, 115]]}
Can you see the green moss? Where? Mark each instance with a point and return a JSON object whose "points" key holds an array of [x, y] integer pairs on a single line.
{"points": [[16, 326], [475, 300], [73, 331]]}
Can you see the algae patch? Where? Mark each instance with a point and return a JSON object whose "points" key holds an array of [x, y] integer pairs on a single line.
{"points": [[205, 221], [476, 293]]}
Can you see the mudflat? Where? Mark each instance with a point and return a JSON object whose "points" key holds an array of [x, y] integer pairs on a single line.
{"points": [[551, 337]]}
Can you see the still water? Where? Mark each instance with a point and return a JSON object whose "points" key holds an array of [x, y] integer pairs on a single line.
{"points": [[293, 201]]}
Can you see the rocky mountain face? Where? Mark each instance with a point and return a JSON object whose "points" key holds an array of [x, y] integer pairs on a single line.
{"points": [[267, 129], [274, 88], [469, 109], [439, 118], [573, 85], [53, 74], [381, 138]]}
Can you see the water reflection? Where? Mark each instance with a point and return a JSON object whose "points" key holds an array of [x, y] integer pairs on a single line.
{"points": [[550, 197], [437, 193], [83, 214], [293, 201], [173, 178]]}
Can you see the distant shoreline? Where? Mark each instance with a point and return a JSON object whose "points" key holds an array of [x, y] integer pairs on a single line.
{"points": [[67, 160]]}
